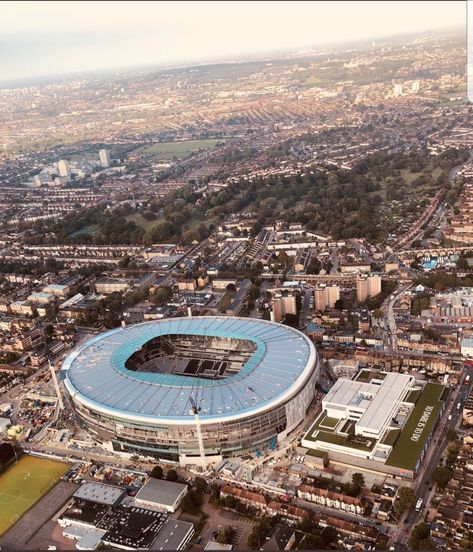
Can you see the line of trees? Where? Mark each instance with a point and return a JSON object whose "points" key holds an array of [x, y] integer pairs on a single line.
{"points": [[344, 203]]}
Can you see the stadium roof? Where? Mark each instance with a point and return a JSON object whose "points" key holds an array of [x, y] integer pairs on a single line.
{"points": [[95, 373]]}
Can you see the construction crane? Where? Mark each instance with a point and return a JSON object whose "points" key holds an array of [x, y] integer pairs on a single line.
{"points": [[194, 411]]}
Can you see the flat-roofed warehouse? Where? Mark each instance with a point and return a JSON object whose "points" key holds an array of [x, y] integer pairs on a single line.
{"points": [[254, 381], [175, 535], [160, 493], [100, 493]]}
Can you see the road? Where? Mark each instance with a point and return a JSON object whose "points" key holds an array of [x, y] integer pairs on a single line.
{"points": [[334, 260], [308, 293], [390, 330], [424, 489], [455, 170], [440, 211], [362, 251]]}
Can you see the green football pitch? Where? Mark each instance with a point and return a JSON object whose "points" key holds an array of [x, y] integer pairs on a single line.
{"points": [[23, 483]]}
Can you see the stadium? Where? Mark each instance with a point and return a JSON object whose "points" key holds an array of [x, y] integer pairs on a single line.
{"points": [[135, 387]]}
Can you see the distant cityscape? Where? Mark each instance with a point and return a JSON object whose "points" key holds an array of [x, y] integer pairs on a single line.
{"points": [[236, 304]]}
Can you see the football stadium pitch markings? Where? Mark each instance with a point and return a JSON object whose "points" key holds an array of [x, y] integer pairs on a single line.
{"points": [[23, 484]]}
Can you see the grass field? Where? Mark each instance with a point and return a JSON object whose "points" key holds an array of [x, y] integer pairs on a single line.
{"points": [[140, 220], [168, 150], [23, 484], [406, 451], [85, 230]]}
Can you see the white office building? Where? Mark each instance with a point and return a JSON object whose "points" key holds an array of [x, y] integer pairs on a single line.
{"points": [[371, 406], [104, 156], [63, 168]]}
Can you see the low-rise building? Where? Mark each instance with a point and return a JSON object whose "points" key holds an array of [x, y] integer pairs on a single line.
{"points": [[160, 493], [246, 497], [467, 347], [41, 298], [175, 535], [112, 285], [291, 513], [331, 499], [100, 493]]}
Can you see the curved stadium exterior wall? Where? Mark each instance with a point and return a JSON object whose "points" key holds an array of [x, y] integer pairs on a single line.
{"points": [[254, 381]]}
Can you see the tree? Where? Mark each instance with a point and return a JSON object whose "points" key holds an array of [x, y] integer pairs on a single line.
{"points": [[51, 312], [253, 293], [419, 539], [171, 475], [191, 502], [357, 483], [190, 236], [124, 262], [358, 480], [160, 232], [314, 267], [10, 357], [451, 197], [441, 475], [452, 435], [254, 540], [378, 314], [157, 472], [462, 263], [48, 331], [160, 295], [453, 448], [257, 537], [226, 535], [329, 535], [214, 491], [406, 498], [200, 484], [229, 501], [310, 542], [306, 525], [291, 320]]}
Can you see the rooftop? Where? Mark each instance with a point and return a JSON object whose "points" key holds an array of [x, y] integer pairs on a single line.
{"points": [[99, 493], [88, 538], [280, 364], [418, 427], [133, 528], [375, 399], [160, 491], [213, 545], [173, 535]]}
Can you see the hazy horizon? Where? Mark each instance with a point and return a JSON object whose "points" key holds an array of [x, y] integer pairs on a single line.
{"points": [[61, 39]]}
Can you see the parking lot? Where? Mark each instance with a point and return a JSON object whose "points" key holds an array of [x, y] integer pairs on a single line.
{"points": [[219, 519]]}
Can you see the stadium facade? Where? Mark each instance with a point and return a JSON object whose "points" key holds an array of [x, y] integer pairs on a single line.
{"points": [[253, 381]]}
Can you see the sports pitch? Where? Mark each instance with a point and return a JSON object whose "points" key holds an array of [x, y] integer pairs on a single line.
{"points": [[23, 483]]}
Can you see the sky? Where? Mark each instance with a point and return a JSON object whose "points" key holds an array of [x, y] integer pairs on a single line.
{"points": [[40, 38]]}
